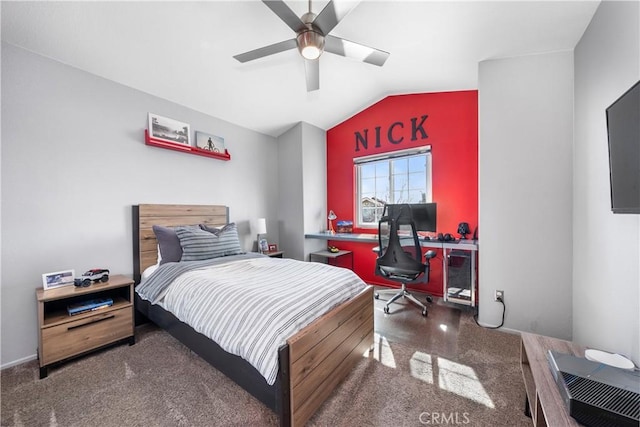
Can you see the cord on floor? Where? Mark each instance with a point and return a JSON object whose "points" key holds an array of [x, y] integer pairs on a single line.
{"points": [[504, 308]]}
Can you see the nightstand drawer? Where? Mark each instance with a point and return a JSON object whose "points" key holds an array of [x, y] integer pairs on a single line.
{"points": [[77, 336]]}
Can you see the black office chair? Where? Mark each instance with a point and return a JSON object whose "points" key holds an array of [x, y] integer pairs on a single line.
{"points": [[400, 255]]}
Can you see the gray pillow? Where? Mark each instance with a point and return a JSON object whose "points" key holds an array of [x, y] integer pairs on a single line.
{"points": [[214, 230], [198, 244], [170, 249]]}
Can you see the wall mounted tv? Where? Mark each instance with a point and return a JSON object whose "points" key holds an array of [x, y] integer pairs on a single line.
{"points": [[623, 131]]}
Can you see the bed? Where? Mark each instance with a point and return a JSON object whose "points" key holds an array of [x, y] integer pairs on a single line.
{"points": [[310, 365]]}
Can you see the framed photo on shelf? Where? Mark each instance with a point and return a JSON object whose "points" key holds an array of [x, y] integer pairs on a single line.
{"points": [[273, 248], [57, 279], [209, 142], [169, 130]]}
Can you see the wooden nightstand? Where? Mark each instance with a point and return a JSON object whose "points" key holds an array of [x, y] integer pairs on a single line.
{"points": [[62, 336], [331, 256], [274, 254]]}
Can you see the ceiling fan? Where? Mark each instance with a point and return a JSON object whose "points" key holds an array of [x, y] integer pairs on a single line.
{"points": [[313, 38]]}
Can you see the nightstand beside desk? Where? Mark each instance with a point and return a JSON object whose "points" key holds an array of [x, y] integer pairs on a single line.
{"points": [[62, 336], [331, 256]]}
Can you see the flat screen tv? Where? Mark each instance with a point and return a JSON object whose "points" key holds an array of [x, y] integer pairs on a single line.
{"points": [[623, 131]]}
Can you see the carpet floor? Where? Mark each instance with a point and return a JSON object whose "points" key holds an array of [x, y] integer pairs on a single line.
{"points": [[440, 370]]}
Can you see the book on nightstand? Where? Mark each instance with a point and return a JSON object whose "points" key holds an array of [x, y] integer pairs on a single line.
{"points": [[89, 305]]}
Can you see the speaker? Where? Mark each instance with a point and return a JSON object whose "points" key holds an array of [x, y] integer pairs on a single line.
{"points": [[459, 273]]}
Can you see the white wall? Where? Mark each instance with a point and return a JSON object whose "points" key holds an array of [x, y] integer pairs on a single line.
{"points": [[73, 163], [291, 223], [302, 171], [606, 263], [525, 191], [314, 160]]}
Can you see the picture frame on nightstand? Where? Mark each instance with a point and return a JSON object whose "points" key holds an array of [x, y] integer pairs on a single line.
{"points": [[273, 247], [263, 246], [58, 279]]}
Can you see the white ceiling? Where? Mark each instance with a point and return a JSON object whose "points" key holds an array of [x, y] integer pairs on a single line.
{"points": [[182, 51]]}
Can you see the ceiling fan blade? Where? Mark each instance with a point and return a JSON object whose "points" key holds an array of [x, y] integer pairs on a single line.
{"points": [[332, 14], [285, 13], [312, 72], [354, 50], [266, 51]]}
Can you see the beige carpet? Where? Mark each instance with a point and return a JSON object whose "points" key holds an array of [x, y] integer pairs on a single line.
{"points": [[470, 377]]}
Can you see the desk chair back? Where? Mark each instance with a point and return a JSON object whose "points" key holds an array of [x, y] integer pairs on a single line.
{"points": [[400, 256]]}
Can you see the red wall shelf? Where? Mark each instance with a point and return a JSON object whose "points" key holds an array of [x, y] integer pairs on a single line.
{"points": [[184, 148]]}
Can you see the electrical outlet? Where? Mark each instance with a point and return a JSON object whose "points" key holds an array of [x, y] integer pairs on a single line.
{"points": [[500, 295]]}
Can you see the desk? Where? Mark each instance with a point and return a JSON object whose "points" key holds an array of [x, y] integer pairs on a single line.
{"points": [[346, 237], [455, 295]]}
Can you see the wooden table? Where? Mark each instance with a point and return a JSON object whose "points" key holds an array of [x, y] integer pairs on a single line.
{"points": [[274, 254], [543, 398], [62, 336], [331, 255]]}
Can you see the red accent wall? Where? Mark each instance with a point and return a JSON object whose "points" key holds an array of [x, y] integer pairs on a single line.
{"points": [[452, 132]]}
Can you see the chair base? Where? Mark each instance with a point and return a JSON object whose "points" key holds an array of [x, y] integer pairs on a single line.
{"points": [[403, 292]]}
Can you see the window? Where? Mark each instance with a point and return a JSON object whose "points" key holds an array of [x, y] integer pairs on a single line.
{"points": [[399, 177]]}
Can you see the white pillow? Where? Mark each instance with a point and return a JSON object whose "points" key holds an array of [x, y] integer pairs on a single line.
{"points": [[149, 271]]}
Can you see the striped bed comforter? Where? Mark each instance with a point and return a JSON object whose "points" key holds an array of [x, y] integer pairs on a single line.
{"points": [[250, 305]]}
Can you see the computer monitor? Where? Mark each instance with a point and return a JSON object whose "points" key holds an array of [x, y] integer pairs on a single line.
{"points": [[423, 214]]}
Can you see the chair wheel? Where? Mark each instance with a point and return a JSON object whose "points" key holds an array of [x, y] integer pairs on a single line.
{"points": [[429, 299], [386, 309], [376, 295], [424, 312]]}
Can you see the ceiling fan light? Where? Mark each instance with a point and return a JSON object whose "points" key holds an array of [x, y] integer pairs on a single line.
{"points": [[310, 44], [311, 52]]}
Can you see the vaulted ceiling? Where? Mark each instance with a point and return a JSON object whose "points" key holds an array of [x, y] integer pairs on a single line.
{"points": [[183, 51]]}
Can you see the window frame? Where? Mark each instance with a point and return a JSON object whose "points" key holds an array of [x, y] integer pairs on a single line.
{"points": [[389, 157]]}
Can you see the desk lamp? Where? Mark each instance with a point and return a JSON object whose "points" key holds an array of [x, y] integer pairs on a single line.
{"points": [[332, 216], [261, 228]]}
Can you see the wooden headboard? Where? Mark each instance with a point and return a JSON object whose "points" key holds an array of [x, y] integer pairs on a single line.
{"points": [[145, 252]]}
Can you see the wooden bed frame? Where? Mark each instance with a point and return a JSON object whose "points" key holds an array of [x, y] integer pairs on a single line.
{"points": [[311, 364]]}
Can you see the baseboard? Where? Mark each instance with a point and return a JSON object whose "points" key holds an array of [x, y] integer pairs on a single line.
{"points": [[19, 361], [502, 328]]}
